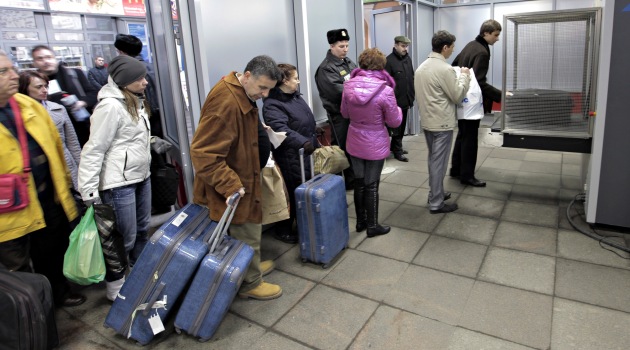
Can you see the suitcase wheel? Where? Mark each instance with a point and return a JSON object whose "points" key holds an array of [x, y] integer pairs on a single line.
{"points": [[325, 266], [178, 331], [304, 260]]}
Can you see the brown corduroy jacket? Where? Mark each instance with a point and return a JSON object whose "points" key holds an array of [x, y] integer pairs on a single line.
{"points": [[224, 152]]}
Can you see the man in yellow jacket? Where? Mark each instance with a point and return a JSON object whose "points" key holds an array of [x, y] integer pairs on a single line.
{"points": [[40, 231]]}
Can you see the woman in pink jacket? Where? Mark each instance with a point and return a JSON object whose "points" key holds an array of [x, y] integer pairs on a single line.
{"points": [[369, 102]]}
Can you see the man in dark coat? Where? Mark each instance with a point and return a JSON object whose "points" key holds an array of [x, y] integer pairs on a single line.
{"points": [[400, 67], [97, 76], [475, 55], [64, 81], [334, 70]]}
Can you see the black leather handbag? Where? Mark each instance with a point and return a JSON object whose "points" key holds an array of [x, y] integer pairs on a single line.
{"points": [[164, 183]]}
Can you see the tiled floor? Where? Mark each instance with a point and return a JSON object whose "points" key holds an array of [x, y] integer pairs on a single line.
{"points": [[505, 271]]}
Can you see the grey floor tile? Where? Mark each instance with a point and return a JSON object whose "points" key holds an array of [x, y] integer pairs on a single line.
{"points": [[577, 246], [565, 196], [327, 318], [480, 206], [451, 184], [267, 313], [233, 333], [365, 274], [508, 153], [541, 167], [593, 284], [499, 163], [399, 244], [292, 263], [422, 291], [407, 178], [534, 194], [496, 175], [452, 255], [413, 218], [417, 164], [512, 314], [391, 328], [496, 190], [464, 339], [385, 208], [394, 192], [73, 330], [355, 237], [467, 228], [528, 238], [276, 342], [531, 213], [538, 179], [581, 326], [546, 157], [517, 269], [419, 197]]}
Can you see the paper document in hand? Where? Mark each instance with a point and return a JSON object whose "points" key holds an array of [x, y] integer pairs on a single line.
{"points": [[276, 138]]}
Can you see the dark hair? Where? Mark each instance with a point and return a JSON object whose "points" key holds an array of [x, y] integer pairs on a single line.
{"points": [[41, 47], [489, 26], [25, 80], [263, 65], [441, 38], [287, 71], [372, 59]]}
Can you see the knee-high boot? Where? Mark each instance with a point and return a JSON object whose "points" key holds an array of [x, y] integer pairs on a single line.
{"points": [[371, 204], [359, 204]]}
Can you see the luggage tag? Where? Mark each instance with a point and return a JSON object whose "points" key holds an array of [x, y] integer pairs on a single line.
{"points": [[156, 323]]}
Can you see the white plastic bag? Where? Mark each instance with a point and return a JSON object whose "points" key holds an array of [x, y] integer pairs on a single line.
{"points": [[471, 107]]}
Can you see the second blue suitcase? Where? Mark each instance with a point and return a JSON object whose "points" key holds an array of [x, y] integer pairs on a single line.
{"points": [[322, 217], [215, 284], [163, 269]]}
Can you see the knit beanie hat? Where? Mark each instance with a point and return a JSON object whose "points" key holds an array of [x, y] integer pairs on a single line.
{"points": [[128, 44], [124, 70]]}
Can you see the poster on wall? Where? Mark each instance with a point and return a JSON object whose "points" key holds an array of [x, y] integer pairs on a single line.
{"points": [[24, 4], [134, 8], [139, 30]]}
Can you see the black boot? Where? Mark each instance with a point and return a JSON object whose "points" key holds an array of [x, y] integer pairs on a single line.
{"points": [[359, 204], [371, 205], [284, 232]]}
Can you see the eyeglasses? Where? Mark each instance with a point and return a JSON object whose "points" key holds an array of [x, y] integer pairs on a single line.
{"points": [[3, 71]]}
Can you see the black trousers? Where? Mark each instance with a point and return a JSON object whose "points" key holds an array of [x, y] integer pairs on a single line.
{"points": [[398, 133], [465, 150], [46, 248]]}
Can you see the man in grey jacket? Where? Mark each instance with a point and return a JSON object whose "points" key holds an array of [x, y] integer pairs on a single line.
{"points": [[438, 90]]}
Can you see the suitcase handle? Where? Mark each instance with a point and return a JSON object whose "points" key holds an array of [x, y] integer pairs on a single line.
{"points": [[302, 166], [222, 227]]}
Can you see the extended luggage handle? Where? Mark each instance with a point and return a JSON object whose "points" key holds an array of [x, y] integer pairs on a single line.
{"points": [[302, 166], [221, 229]]}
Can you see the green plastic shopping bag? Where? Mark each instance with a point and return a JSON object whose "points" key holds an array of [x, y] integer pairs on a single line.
{"points": [[84, 262]]}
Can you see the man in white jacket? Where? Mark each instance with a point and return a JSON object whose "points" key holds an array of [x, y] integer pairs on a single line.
{"points": [[438, 90]]}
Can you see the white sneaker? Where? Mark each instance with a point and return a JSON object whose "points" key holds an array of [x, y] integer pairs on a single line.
{"points": [[113, 288]]}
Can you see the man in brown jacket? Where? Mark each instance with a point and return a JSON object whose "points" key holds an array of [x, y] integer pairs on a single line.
{"points": [[224, 152]]}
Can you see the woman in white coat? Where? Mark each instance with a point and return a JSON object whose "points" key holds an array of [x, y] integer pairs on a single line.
{"points": [[114, 167]]}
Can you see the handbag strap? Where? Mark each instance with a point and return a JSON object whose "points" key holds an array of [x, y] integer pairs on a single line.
{"points": [[21, 133]]}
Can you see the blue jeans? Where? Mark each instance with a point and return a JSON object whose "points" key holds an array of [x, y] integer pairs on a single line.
{"points": [[132, 205]]}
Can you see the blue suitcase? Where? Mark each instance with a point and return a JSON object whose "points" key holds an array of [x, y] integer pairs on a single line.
{"points": [[163, 269], [216, 283], [322, 216]]}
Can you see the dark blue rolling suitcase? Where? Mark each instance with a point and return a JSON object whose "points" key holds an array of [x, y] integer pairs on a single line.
{"points": [[215, 284], [164, 268], [322, 216]]}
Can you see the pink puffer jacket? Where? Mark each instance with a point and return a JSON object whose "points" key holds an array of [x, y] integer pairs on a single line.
{"points": [[369, 102]]}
